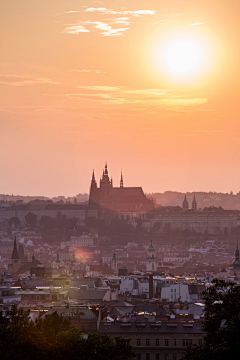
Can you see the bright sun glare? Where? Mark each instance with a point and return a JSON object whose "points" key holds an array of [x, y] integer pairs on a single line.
{"points": [[182, 56]]}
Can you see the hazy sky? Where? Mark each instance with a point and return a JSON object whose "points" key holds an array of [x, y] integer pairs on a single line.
{"points": [[84, 82]]}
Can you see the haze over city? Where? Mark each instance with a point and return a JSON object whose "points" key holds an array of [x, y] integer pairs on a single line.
{"points": [[87, 82]]}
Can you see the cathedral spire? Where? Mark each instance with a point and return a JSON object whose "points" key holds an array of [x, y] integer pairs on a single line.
{"points": [[106, 169], [121, 181], [93, 179]]}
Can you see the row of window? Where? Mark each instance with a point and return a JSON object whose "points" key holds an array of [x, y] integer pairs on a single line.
{"points": [[167, 342], [157, 356]]}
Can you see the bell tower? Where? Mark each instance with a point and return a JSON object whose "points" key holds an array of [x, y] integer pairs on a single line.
{"points": [[151, 258], [194, 204]]}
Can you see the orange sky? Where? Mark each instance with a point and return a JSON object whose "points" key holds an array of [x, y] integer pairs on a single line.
{"points": [[84, 82]]}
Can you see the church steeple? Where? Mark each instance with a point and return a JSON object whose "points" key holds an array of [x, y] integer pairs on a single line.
{"points": [[15, 251], [15, 260], [194, 204], [121, 181], [185, 204]]}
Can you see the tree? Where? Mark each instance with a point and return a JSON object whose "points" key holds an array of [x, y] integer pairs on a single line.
{"points": [[31, 219], [221, 324], [14, 220], [54, 338]]}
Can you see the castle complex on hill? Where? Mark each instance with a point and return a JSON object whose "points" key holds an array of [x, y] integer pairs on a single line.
{"points": [[123, 202], [130, 204]]}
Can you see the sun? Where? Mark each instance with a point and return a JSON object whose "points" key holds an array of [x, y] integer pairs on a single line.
{"points": [[183, 56]]}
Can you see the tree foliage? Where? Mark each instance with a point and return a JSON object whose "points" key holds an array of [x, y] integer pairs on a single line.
{"points": [[31, 219], [53, 338], [221, 324]]}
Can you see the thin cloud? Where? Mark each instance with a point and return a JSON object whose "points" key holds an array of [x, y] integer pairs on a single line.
{"points": [[75, 29], [157, 22], [122, 20], [149, 98], [196, 24], [27, 81], [100, 88], [107, 30], [184, 102], [88, 71], [156, 92], [136, 13]]}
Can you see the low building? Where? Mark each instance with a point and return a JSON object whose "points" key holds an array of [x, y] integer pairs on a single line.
{"points": [[156, 340]]}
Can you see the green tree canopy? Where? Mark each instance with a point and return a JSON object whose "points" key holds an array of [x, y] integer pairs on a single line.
{"points": [[54, 338], [31, 219], [221, 324]]}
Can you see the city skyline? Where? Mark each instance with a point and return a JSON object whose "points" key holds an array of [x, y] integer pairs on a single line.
{"points": [[151, 87]]}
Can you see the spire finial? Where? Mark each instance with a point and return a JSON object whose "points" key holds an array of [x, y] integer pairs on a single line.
{"points": [[121, 180]]}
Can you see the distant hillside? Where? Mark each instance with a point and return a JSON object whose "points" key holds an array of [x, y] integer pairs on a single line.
{"points": [[174, 198], [26, 199], [168, 198]]}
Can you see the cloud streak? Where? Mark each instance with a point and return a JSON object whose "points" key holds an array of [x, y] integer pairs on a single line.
{"points": [[25, 80], [196, 24], [136, 13], [75, 30], [149, 98], [106, 27]]}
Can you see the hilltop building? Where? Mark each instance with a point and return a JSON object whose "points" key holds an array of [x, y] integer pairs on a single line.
{"points": [[121, 202]]}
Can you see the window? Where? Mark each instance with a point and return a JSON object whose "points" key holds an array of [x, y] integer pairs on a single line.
{"points": [[174, 342], [187, 342], [166, 342], [157, 356], [171, 290], [200, 342], [138, 342], [147, 356], [147, 342], [174, 357], [138, 356], [166, 356], [157, 342]]}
